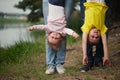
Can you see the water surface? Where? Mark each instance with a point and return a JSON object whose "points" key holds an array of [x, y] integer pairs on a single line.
{"points": [[12, 33]]}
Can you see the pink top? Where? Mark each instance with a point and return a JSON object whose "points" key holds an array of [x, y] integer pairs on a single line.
{"points": [[58, 25]]}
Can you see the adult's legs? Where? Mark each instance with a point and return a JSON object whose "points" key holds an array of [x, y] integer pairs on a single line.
{"points": [[82, 9], [90, 54], [99, 52], [68, 9], [45, 10]]}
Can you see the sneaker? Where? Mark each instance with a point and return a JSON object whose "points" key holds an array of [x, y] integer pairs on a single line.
{"points": [[60, 69], [85, 68], [50, 69]]}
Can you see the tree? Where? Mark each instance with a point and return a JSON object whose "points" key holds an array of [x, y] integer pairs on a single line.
{"points": [[35, 6]]}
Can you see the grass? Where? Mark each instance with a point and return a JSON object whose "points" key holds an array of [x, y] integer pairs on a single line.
{"points": [[7, 21], [21, 49], [26, 60]]}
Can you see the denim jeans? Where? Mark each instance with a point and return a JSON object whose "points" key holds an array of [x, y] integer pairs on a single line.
{"points": [[99, 47], [56, 57]]}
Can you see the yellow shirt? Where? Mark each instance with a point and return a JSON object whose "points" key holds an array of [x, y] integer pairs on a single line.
{"points": [[94, 16]]}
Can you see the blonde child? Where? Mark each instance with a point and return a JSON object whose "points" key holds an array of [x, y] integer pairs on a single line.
{"points": [[56, 27]]}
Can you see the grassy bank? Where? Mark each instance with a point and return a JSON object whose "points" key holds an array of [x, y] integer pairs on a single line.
{"points": [[10, 21], [26, 60]]}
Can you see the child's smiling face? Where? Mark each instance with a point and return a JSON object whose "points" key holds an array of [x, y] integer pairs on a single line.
{"points": [[94, 36], [54, 38]]}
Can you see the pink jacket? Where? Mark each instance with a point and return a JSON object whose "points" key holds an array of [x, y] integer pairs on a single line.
{"points": [[58, 25]]}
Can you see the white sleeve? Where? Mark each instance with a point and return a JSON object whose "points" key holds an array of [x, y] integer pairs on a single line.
{"points": [[68, 31], [40, 27]]}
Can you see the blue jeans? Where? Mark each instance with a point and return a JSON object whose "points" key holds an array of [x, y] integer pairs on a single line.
{"points": [[99, 47], [56, 57], [82, 8]]}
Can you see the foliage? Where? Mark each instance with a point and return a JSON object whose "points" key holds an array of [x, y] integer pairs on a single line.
{"points": [[35, 6], [6, 21], [75, 22]]}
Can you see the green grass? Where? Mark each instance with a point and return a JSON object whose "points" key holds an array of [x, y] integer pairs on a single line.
{"points": [[26, 60], [19, 52], [8, 21]]}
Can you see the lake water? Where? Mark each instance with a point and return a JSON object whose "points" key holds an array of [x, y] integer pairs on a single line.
{"points": [[12, 33]]}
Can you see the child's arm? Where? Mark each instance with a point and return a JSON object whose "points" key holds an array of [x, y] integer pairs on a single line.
{"points": [[30, 28], [84, 48], [105, 48], [71, 32], [37, 27], [75, 35]]}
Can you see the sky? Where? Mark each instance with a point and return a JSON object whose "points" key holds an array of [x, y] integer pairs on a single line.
{"points": [[7, 6]]}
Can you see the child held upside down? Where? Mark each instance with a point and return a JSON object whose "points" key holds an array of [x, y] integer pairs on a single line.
{"points": [[93, 30], [56, 27]]}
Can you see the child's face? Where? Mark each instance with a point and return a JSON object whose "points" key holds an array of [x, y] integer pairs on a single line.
{"points": [[54, 38], [94, 35]]}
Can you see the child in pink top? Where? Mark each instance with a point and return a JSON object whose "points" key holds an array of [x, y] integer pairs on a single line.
{"points": [[56, 27]]}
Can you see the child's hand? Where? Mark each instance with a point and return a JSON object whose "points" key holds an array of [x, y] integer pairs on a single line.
{"points": [[106, 62], [85, 60], [30, 28], [75, 35]]}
